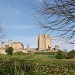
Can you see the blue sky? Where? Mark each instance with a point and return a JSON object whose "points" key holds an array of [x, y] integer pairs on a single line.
{"points": [[19, 23]]}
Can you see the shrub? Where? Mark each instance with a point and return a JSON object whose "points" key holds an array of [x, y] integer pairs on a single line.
{"points": [[71, 54], [19, 53], [60, 55], [9, 51], [31, 67]]}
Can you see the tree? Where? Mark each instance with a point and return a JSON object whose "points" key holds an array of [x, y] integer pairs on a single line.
{"points": [[71, 54], [1, 31], [9, 51], [60, 55], [59, 15]]}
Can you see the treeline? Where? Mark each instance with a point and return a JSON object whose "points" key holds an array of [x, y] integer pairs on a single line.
{"points": [[60, 54], [65, 55]]}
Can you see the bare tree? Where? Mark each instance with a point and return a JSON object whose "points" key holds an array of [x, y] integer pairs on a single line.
{"points": [[1, 31], [59, 15]]}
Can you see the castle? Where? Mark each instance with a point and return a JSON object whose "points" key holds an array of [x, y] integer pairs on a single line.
{"points": [[44, 45], [14, 45]]}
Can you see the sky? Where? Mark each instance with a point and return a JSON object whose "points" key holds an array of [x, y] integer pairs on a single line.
{"points": [[20, 25]]}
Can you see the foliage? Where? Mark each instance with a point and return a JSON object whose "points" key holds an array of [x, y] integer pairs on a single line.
{"points": [[60, 55], [19, 53], [71, 54], [32, 67], [45, 53], [9, 51]]}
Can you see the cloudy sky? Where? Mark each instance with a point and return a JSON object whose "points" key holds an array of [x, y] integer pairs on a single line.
{"points": [[20, 25]]}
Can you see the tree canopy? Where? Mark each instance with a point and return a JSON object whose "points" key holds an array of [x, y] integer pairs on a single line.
{"points": [[9, 51]]}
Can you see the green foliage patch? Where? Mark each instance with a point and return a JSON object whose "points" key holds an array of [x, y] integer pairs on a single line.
{"points": [[9, 50], [46, 53]]}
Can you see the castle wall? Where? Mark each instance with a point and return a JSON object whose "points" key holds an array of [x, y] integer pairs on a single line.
{"points": [[3, 45], [56, 47], [2, 51], [14, 45], [17, 46]]}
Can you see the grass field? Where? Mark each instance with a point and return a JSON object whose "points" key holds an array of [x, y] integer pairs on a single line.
{"points": [[27, 57], [35, 64]]}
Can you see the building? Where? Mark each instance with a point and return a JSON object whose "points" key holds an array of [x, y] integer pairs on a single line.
{"points": [[14, 45], [44, 42], [44, 45], [3, 46], [17, 45]]}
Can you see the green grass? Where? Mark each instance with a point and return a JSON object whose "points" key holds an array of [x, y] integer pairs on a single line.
{"points": [[36, 64], [38, 57], [26, 57]]}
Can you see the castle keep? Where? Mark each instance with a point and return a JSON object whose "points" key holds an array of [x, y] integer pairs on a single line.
{"points": [[44, 42]]}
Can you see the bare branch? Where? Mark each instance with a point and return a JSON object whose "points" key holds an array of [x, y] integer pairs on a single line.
{"points": [[59, 15]]}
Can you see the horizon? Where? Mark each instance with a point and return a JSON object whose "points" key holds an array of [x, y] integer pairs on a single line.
{"points": [[60, 44]]}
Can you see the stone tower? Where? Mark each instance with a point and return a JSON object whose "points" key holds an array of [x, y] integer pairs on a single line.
{"points": [[3, 45], [10, 43], [44, 42], [56, 47]]}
